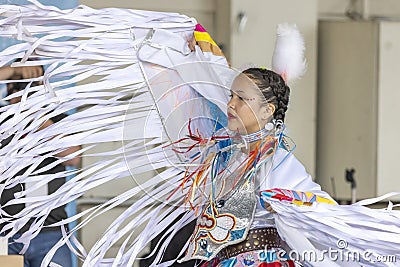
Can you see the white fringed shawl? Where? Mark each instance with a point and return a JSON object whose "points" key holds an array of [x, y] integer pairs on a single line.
{"points": [[127, 73], [141, 103]]}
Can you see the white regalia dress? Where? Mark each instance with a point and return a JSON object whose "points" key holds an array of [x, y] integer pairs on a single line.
{"points": [[132, 78]]}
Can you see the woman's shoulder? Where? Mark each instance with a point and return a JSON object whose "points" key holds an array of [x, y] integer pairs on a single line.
{"points": [[286, 159]]}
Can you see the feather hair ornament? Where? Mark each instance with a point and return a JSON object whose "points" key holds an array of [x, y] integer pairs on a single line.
{"points": [[288, 57]]}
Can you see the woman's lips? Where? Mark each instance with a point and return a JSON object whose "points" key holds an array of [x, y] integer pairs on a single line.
{"points": [[231, 116]]}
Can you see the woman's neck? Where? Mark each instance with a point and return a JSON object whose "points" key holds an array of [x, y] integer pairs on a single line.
{"points": [[251, 139]]}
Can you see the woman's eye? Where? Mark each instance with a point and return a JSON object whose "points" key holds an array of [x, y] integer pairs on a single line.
{"points": [[232, 95]]}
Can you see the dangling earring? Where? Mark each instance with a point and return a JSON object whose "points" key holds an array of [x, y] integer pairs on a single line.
{"points": [[279, 124], [269, 126]]}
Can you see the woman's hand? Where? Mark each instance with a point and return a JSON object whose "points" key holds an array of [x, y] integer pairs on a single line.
{"points": [[17, 73], [28, 72], [269, 208], [192, 44]]}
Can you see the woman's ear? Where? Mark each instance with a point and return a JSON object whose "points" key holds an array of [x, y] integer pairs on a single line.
{"points": [[271, 107], [268, 111]]}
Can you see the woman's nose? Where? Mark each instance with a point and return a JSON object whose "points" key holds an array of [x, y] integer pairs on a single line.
{"points": [[231, 103]]}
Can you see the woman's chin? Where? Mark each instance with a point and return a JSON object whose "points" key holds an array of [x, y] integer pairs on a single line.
{"points": [[234, 128]]}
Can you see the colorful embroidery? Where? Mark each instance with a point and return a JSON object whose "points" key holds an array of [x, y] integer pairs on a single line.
{"points": [[296, 197], [249, 260], [218, 227], [206, 43]]}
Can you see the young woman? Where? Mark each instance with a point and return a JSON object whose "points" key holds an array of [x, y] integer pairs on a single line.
{"points": [[235, 229]]}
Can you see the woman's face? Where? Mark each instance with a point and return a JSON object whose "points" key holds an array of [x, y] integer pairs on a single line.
{"points": [[246, 113]]}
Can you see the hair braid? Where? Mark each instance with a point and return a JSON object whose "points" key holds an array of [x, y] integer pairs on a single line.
{"points": [[274, 89]]}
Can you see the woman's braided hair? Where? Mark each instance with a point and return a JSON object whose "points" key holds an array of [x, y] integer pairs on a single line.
{"points": [[273, 87]]}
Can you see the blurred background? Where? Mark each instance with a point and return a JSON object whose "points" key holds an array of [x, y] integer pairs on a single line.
{"points": [[343, 114]]}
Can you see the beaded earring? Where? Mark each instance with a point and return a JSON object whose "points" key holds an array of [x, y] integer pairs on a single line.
{"points": [[269, 126]]}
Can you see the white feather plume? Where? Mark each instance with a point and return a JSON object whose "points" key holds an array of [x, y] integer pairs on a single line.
{"points": [[288, 58]]}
